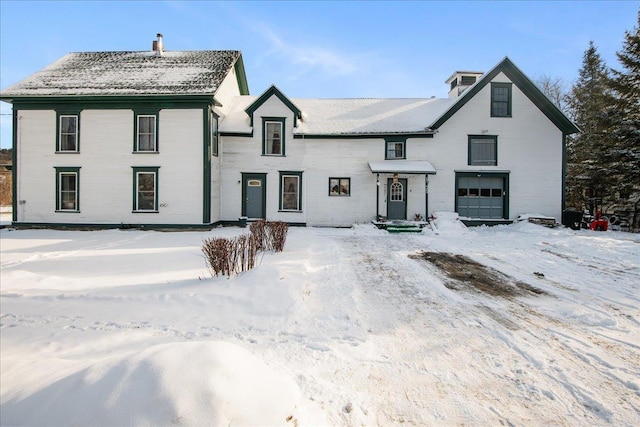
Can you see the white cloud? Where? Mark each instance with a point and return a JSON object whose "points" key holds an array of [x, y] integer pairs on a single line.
{"points": [[312, 58]]}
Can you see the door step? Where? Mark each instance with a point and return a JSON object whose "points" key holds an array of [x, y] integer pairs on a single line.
{"points": [[399, 226], [403, 228]]}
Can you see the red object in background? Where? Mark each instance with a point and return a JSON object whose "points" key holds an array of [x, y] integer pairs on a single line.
{"points": [[598, 223]]}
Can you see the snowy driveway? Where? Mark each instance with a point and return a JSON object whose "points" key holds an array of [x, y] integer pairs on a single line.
{"points": [[370, 333]]}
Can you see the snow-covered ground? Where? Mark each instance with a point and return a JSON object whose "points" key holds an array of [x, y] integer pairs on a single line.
{"points": [[345, 327], [5, 215]]}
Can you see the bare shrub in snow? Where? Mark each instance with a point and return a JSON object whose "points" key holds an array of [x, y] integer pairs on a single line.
{"points": [[230, 256], [278, 234], [258, 229], [216, 252], [235, 255], [271, 235]]}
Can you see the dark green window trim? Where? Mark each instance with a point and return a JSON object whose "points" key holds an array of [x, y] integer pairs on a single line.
{"points": [[138, 113], [501, 99], [60, 114], [288, 192], [282, 142], [393, 146], [339, 186], [479, 174], [67, 171], [471, 161], [137, 172]]}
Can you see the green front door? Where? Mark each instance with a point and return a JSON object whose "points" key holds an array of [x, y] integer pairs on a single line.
{"points": [[397, 198], [254, 192]]}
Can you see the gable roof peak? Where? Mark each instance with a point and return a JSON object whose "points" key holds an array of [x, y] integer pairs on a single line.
{"points": [[518, 78], [271, 91]]}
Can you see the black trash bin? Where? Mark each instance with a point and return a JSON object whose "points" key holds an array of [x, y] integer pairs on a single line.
{"points": [[572, 219], [242, 221]]}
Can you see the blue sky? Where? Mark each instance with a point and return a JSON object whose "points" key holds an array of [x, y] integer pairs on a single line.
{"points": [[324, 49]]}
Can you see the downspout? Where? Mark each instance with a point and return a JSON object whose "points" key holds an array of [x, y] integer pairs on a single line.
{"points": [[426, 196], [14, 168], [377, 196], [564, 175]]}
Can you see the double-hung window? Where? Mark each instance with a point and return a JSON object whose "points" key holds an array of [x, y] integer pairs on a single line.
{"points": [[291, 191], [273, 142], [67, 189], [483, 150], [145, 189], [500, 99], [146, 133], [339, 186], [395, 150], [68, 133]]}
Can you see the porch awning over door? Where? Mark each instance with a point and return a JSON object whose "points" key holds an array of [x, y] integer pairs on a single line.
{"points": [[402, 166]]}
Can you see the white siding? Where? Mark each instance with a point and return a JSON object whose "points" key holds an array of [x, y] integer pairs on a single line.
{"points": [[228, 90], [181, 166], [35, 182], [106, 159], [216, 183], [225, 94], [318, 159], [529, 147]]}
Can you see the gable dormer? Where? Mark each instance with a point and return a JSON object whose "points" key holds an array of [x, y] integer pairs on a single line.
{"points": [[262, 99]]}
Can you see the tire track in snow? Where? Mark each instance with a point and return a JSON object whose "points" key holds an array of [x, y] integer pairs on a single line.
{"points": [[532, 340]]}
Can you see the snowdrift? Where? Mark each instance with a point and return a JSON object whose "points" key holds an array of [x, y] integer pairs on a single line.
{"points": [[447, 223], [184, 383]]}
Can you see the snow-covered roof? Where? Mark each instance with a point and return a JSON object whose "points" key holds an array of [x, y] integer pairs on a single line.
{"points": [[129, 73], [349, 116], [402, 166]]}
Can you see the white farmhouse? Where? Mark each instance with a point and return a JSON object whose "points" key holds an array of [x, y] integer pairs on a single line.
{"points": [[173, 139]]}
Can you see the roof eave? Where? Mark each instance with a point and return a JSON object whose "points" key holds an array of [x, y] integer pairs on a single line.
{"points": [[241, 76], [365, 135], [35, 99]]}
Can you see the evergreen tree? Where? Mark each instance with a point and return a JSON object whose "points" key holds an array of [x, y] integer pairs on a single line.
{"points": [[591, 106], [625, 153]]}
